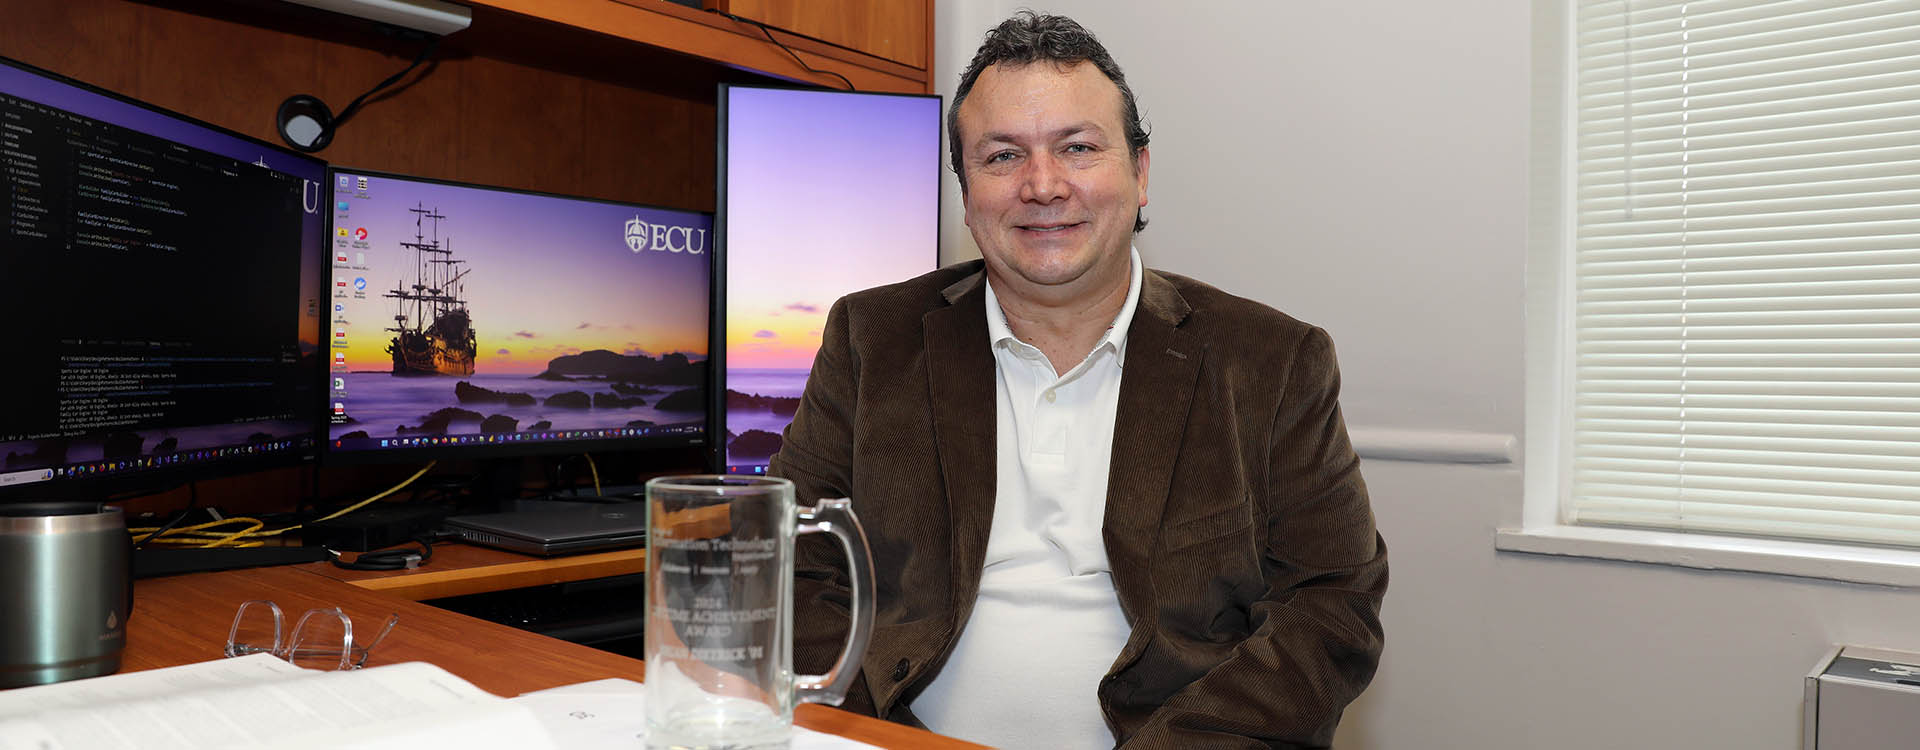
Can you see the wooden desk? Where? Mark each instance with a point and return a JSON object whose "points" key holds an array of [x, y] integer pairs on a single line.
{"points": [[184, 619], [459, 569]]}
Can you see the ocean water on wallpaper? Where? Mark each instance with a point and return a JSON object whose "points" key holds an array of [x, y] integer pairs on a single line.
{"points": [[767, 382], [741, 420], [379, 403], [761, 382]]}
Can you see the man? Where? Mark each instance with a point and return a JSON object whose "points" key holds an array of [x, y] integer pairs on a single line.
{"points": [[1106, 505]]}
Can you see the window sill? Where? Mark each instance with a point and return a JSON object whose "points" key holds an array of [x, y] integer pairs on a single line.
{"points": [[1875, 565]]}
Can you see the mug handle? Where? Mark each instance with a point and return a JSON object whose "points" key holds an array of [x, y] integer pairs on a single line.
{"points": [[836, 517]]}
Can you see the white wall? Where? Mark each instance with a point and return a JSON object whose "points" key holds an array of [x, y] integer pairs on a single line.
{"points": [[1363, 165]]}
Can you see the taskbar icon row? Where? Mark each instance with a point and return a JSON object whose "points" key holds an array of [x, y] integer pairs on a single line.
{"points": [[431, 441], [137, 463]]}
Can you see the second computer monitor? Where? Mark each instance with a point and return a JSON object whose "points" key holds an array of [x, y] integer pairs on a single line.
{"points": [[822, 193], [476, 321]]}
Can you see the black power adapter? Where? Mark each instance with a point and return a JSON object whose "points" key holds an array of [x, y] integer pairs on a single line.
{"points": [[374, 527]]}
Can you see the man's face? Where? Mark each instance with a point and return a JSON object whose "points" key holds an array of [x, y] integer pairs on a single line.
{"points": [[1052, 191]]}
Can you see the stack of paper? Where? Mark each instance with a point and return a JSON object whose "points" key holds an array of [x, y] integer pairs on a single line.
{"points": [[261, 702], [258, 701]]}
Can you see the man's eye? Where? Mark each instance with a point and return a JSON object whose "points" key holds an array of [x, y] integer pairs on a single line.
{"points": [[1000, 157], [1079, 148]]}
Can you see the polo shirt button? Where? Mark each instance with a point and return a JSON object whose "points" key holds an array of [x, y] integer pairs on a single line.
{"points": [[1049, 397], [900, 670]]}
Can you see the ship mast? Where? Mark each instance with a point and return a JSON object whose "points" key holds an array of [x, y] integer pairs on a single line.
{"points": [[433, 334], [435, 284]]}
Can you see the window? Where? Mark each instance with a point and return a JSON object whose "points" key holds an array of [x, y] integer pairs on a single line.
{"points": [[1740, 321]]}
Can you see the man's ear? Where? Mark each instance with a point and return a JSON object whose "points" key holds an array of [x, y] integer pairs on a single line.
{"points": [[1140, 164], [966, 209]]}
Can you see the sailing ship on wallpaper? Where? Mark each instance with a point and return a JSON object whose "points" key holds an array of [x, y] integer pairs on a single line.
{"points": [[433, 332]]}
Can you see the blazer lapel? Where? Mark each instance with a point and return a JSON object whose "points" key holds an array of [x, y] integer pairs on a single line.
{"points": [[1156, 388], [960, 371]]}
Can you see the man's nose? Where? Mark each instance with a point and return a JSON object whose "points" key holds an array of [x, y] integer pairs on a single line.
{"points": [[1045, 180]]}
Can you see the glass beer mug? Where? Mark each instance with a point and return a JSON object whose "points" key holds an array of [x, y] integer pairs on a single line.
{"points": [[720, 552]]}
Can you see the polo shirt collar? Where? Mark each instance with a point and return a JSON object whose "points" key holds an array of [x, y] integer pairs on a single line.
{"points": [[999, 334]]}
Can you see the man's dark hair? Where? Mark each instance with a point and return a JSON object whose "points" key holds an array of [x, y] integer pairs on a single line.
{"points": [[1028, 38]]}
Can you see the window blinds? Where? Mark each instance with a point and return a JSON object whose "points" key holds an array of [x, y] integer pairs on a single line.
{"points": [[1747, 268]]}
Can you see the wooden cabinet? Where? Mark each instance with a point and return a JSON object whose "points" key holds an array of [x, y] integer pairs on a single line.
{"points": [[877, 45], [894, 30]]}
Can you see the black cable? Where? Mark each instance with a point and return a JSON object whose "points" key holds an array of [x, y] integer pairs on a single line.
{"points": [[391, 558], [354, 106], [790, 52], [193, 501]]}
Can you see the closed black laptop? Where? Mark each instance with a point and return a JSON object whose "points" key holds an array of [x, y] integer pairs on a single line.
{"points": [[557, 532]]}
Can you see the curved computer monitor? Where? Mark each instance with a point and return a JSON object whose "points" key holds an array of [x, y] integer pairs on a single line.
{"points": [[467, 321], [821, 193], [160, 274]]}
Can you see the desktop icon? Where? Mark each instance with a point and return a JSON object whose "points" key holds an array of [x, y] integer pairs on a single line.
{"points": [[339, 384], [339, 332], [342, 231], [340, 281], [360, 233], [342, 205], [338, 307], [340, 358], [340, 256], [360, 284], [339, 407], [343, 181], [362, 182]]}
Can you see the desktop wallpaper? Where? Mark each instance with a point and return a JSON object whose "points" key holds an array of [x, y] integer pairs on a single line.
{"points": [[584, 315], [827, 193]]}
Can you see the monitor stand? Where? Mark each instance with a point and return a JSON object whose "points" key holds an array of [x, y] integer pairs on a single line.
{"points": [[495, 484]]}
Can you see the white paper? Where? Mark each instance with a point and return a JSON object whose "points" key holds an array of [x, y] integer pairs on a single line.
{"points": [[612, 713], [153, 683], [262, 702]]}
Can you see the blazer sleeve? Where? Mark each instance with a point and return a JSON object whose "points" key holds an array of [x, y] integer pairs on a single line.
{"points": [[1316, 630], [816, 454]]}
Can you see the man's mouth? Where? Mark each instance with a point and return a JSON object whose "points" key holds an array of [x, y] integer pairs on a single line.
{"points": [[1048, 227]]}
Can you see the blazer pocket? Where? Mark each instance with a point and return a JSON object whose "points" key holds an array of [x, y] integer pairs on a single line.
{"points": [[1209, 528]]}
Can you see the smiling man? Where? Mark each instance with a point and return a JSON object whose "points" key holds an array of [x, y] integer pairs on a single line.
{"points": [[1107, 505]]}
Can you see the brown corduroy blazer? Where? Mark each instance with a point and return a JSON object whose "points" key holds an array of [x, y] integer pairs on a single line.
{"points": [[1237, 525]]}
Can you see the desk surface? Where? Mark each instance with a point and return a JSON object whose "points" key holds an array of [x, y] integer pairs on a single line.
{"points": [[184, 619], [459, 569]]}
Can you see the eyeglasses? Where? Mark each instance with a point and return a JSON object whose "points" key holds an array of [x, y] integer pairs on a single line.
{"points": [[322, 639]]}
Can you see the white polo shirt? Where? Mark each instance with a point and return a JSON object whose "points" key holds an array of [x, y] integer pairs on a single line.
{"points": [[1047, 624]]}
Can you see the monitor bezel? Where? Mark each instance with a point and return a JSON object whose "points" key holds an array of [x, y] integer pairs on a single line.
{"points": [[717, 407], [330, 456], [106, 487]]}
